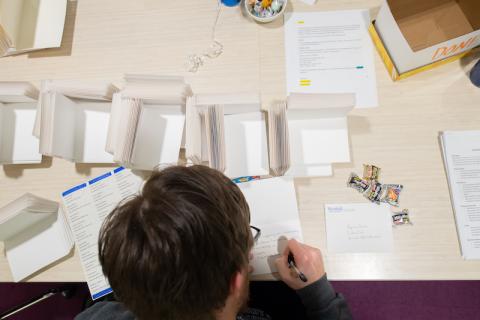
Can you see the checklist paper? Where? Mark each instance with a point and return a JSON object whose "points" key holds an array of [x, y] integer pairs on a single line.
{"points": [[86, 206], [330, 52], [354, 228]]}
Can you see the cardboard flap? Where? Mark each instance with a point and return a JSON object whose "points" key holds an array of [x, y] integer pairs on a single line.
{"points": [[324, 105], [232, 103], [429, 22]]}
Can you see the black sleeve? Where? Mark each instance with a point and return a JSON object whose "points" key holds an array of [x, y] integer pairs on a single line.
{"points": [[106, 311], [322, 303]]}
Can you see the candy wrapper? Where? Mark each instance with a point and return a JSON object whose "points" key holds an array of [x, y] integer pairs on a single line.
{"points": [[391, 194], [245, 179], [374, 192], [357, 183], [265, 8], [371, 172], [401, 218]]}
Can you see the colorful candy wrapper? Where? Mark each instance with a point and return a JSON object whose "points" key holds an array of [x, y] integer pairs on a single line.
{"points": [[374, 192], [391, 194], [245, 179], [401, 218], [371, 172], [357, 183], [265, 8]]}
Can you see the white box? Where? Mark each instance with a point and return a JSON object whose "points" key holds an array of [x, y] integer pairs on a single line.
{"points": [[417, 33]]}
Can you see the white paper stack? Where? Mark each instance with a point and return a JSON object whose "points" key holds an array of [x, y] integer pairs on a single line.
{"points": [[309, 134], [461, 155], [72, 120], [147, 121], [35, 234], [18, 102], [28, 25], [227, 132]]}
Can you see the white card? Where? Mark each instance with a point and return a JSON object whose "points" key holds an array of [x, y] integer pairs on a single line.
{"points": [[363, 227], [273, 209]]}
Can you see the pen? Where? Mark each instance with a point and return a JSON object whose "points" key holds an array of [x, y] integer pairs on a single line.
{"points": [[291, 264]]}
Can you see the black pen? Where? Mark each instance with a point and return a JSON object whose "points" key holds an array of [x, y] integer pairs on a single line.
{"points": [[291, 264]]}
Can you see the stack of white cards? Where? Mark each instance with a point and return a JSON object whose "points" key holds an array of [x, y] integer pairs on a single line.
{"points": [[35, 234], [228, 133], [147, 121], [72, 120], [18, 101], [28, 25], [309, 133]]}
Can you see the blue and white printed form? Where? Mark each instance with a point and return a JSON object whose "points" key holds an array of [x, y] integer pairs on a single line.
{"points": [[86, 207], [331, 52]]}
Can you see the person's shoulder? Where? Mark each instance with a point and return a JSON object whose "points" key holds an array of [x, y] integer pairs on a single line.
{"points": [[253, 314], [106, 310]]}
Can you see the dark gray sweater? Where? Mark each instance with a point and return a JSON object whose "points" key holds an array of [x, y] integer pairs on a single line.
{"points": [[320, 301]]}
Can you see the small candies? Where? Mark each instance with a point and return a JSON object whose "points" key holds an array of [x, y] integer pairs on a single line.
{"points": [[401, 218], [371, 172], [372, 189], [357, 183], [391, 194], [265, 8], [374, 192], [276, 5], [377, 192]]}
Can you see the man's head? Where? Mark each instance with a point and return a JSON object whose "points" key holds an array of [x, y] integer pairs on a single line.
{"points": [[180, 248]]}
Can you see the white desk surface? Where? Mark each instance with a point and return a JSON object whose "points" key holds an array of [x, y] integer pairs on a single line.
{"points": [[105, 39]]}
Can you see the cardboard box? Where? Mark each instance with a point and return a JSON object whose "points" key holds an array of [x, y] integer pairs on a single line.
{"points": [[413, 34]]}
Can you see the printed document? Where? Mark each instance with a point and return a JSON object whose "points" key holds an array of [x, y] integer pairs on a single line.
{"points": [[362, 227], [273, 209], [86, 206], [330, 52], [461, 154]]}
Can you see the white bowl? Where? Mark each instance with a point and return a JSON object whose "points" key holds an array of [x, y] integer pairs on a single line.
{"points": [[268, 19]]}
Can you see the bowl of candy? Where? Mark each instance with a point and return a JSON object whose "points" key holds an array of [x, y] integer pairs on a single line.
{"points": [[265, 10]]}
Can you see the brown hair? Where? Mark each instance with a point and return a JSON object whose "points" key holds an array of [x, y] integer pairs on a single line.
{"points": [[171, 252]]}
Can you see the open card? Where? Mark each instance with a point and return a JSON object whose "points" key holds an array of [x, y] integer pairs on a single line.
{"points": [[147, 121], [18, 104], [72, 120], [27, 25], [35, 234], [227, 132]]}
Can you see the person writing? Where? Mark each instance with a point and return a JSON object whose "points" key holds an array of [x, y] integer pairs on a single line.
{"points": [[181, 250]]}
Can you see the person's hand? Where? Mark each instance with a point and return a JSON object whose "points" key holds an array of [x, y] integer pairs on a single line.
{"points": [[307, 259]]}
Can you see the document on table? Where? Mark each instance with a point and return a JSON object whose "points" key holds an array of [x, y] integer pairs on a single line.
{"points": [[461, 155], [330, 52], [273, 209], [86, 206], [362, 227]]}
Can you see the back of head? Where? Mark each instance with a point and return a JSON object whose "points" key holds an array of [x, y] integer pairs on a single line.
{"points": [[170, 253]]}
